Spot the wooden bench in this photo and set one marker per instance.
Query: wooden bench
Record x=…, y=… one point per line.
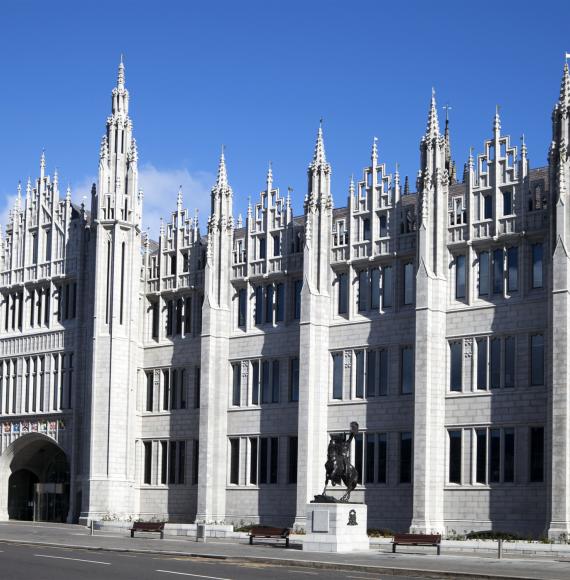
x=157, y=527
x=416, y=540
x=269, y=532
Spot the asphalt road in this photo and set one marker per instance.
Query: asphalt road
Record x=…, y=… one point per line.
x=19, y=561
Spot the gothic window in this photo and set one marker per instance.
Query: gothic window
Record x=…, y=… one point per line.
x=342, y=281
x=337, y=374
x=408, y=283
x=363, y=290
x=454, y=456
x=387, y=287
x=484, y=262
x=297, y=299
x=179, y=315
x=279, y=302
x=383, y=226
x=537, y=359
x=149, y=402
x=258, y=304
x=292, y=460
x=234, y=461
x=406, y=370
x=510, y=362
x=495, y=363
x=185, y=261
x=48, y=244
x=265, y=384
x=482, y=364
x=188, y=315
x=374, y=288
x=255, y=383
x=456, y=367
x=406, y=457
x=269, y=299
x=147, y=468
x=460, y=277
x=169, y=317
x=154, y=317
x=512, y=269
x=498, y=278
x=253, y=459
x=487, y=206
x=359, y=390
x=265, y=469
x=536, y=455
x=242, y=302
x=365, y=225
x=507, y=202
x=262, y=248
x=236, y=384
x=294, y=380
x=277, y=244
x=537, y=265
x=371, y=373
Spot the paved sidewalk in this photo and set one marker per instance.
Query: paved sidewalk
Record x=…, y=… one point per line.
x=420, y=562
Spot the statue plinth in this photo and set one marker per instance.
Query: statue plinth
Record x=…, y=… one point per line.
x=336, y=527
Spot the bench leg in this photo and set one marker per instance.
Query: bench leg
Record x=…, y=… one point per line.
x=438, y=550
x=162, y=535
x=250, y=540
x=286, y=542
x=132, y=533
x=393, y=548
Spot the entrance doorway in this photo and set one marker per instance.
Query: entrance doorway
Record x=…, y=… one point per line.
x=38, y=479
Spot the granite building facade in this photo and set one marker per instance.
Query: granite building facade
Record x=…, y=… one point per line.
x=197, y=377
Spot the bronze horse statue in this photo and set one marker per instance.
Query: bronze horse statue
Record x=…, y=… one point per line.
x=338, y=467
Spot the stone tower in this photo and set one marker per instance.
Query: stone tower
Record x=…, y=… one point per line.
x=430, y=344
x=216, y=328
x=559, y=166
x=314, y=354
x=116, y=350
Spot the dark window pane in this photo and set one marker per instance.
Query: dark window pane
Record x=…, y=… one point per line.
x=149, y=391
x=382, y=458
x=483, y=273
x=371, y=374
x=147, y=461
x=495, y=371
x=363, y=290
x=274, y=460
x=455, y=456
x=294, y=387
x=234, y=461
x=387, y=287
x=481, y=467
x=181, y=462
x=374, y=289
x=164, y=461
x=265, y=385
x=297, y=305
x=258, y=304
x=537, y=359
x=513, y=269
x=172, y=463
x=510, y=361
x=293, y=451
x=509, y=458
x=359, y=374
x=275, y=382
x=242, y=301
x=253, y=460
x=188, y=315
x=405, y=457
x=370, y=458
x=358, y=449
x=495, y=455
x=236, y=386
x=488, y=201
x=280, y=303
x=255, y=383
x=456, y=366
x=342, y=293
x=482, y=364
x=460, y=277
x=407, y=371
x=337, y=375
x=536, y=454
x=264, y=448
x=498, y=272
x=269, y=295
x=409, y=284
x=383, y=372
x=166, y=390
x=507, y=202
x=537, y=266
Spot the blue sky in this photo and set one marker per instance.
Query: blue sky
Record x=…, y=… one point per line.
x=257, y=76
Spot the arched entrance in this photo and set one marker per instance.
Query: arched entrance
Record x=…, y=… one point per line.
x=34, y=480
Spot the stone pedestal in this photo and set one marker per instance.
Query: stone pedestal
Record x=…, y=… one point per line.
x=336, y=527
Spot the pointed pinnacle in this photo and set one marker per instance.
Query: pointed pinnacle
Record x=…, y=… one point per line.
x=179, y=199
x=351, y=185
x=222, y=178
x=319, y=156
x=269, y=176
x=432, y=129
x=121, y=74
x=497, y=120
x=565, y=87
x=68, y=193
x=374, y=149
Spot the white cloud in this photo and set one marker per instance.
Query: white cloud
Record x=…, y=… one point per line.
x=160, y=188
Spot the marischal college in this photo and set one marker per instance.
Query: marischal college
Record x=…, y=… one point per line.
x=198, y=377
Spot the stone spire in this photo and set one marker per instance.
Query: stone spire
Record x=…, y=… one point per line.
x=319, y=156
x=269, y=179
x=43, y=164
x=432, y=129
x=374, y=154
x=497, y=121
x=565, y=87
x=222, y=185
x=121, y=75
x=179, y=200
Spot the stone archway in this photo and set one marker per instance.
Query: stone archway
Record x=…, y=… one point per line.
x=34, y=479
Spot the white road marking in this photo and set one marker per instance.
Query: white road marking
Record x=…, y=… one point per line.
x=193, y=575
x=74, y=559
x=302, y=572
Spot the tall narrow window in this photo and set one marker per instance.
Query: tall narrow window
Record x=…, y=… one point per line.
x=405, y=457
x=455, y=456
x=163, y=461
x=181, y=472
x=382, y=458
x=509, y=455
x=507, y=202
x=234, y=461
x=537, y=253
x=387, y=287
x=262, y=248
x=182, y=382
x=537, y=359
x=188, y=315
x=342, y=293
x=512, y=269
x=408, y=283
x=253, y=460
x=263, y=451
x=297, y=299
x=236, y=390
x=265, y=385
x=383, y=372
x=169, y=317
x=536, y=467
x=294, y=380
x=165, y=389
x=371, y=373
x=383, y=226
x=154, y=315
x=122, y=296
x=365, y=229
x=374, y=289
x=292, y=470
x=495, y=366
x=179, y=315
x=275, y=381
x=147, y=468
x=258, y=304
x=358, y=452
x=482, y=364
x=337, y=375
x=274, y=461
x=269, y=298
x=255, y=383
x=280, y=302
x=481, y=456
x=407, y=370
x=488, y=206
x=495, y=455
x=276, y=244
x=359, y=391
x=149, y=391
x=460, y=277
x=483, y=273
x=456, y=373
x=509, y=374
x=242, y=297
x=498, y=281
x=363, y=290
x=197, y=381
x=196, y=461
x=370, y=457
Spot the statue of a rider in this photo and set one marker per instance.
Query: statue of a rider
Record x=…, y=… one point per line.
x=338, y=467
